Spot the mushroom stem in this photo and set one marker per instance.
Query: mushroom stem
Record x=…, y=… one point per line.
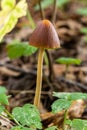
x=39, y=78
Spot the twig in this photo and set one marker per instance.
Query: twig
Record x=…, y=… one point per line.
x=14, y=71
x=28, y=91
x=54, y=11
x=48, y=83
x=72, y=83
x=51, y=70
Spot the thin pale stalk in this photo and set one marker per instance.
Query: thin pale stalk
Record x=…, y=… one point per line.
x=66, y=70
x=11, y=116
x=54, y=11
x=31, y=21
x=51, y=69
x=64, y=122
x=39, y=78
x=41, y=10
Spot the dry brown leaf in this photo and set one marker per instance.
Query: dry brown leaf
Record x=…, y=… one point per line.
x=50, y=119
x=5, y=123
x=77, y=108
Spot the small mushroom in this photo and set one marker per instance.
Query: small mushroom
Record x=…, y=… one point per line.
x=43, y=37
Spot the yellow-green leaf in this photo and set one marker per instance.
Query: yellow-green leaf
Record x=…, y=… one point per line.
x=20, y=9
x=8, y=26
x=7, y=4
x=9, y=15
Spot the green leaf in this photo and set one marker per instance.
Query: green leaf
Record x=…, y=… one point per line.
x=70, y=96
x=17, y=49
x=77, y=124
x=68, y=122
x=9, y=15
x=45, y=4
x=2, y=89
x=20, y=128
x=2, y=108
x=82, y=11
x=3, y=99
x=62, y=95
x=60, y=104
x=61, y=3
x=84, y=30
x=29, y=50
x=52, y=128
x=28, y=115
x=68, y=61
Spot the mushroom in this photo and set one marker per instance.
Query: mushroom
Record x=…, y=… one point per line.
x=43, y=37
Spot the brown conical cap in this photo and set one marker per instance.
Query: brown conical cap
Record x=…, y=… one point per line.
x=45, y=36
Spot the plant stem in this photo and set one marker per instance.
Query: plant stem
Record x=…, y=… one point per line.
x=51, y=70
x=66, y=71
x=41, y=10
x=39, y=78
x=64, y=122
x=54, y=11
x=31, y=21
x=11, y=116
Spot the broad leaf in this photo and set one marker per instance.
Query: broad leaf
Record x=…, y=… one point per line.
x=17, y=49
x=29, y=50
x=70, y=96
x=20, y=9
x=62, y=95
x=84, y=30
x=46, y=3
x=77, y=124
x=61, y=3
x=8, y=4
x=82, y=11
x=2, y=108
x=3, y=99
x=60, y=104
x=52, y=128
x=68, y=61
x=9, y=15
x=28, y=115
x=2, y=89
x=20, y=128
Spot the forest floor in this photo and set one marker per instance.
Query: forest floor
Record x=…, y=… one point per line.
x=19, y=75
